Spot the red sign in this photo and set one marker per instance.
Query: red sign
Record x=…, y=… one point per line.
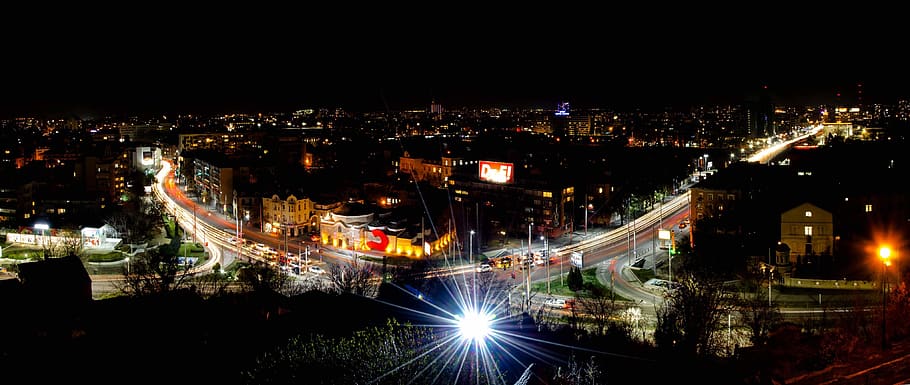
x=383, y=240
x=497, y=172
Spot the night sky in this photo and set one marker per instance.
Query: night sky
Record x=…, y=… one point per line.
x=364, y=63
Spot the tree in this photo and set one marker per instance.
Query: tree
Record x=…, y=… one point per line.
x=136, y=225
x=64, y=243
x=755, y=309
x=155, y=271
x=354, y=278
x=393, y=354
x=265, y=277
x=600, y=306
x=575, y=279
x=574, y=373
x=691, y=315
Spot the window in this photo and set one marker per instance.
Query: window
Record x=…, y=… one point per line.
x=808, y=214
x=868, y=208
x=807, y=231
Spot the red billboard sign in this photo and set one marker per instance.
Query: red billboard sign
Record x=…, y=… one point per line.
x=497, y=172
x=379, y=235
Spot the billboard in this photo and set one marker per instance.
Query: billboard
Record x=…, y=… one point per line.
x=576, y=259
x=497, y=172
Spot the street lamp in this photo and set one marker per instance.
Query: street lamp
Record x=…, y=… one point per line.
x=43, y=227
x=885, y=253
x=546, y=256
x=471, y=248
x=194, y=222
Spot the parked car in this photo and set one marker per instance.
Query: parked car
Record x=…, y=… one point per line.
x=484, y=267
x=315, y=270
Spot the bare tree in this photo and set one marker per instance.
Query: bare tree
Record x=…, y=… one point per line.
x=599, y=305
x=264, y=277
x=691, y=316
x=759, y=316
x=70, y=242
x=354, y=278
x=62, y=244
x=154, y=271
x=586, y=373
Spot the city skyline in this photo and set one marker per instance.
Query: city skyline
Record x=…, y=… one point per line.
x=93, y=96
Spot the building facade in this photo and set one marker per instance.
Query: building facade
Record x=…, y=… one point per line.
x=291, y=215
x=807, y=230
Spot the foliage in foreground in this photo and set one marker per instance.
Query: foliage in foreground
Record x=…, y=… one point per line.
x=371, y=355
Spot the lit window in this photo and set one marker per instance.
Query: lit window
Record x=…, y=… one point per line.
x=807, y=231
x=808, y=214
x=547, y=194
x=868, y=208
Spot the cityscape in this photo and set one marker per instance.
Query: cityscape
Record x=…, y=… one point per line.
x=741, y=233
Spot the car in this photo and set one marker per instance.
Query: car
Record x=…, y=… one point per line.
x=315, y=270
x=484, y=267
x=232, y=240
x=559, y=303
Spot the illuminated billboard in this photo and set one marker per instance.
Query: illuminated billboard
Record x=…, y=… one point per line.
x=497, y=172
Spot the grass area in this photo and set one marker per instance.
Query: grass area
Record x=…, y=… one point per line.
x=395, y=261
x=22, y=254
x=643, y=274
x=559, y=286
x=106, y=257
x=194, y=250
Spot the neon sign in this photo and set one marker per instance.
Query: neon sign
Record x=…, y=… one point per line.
x=497, y=172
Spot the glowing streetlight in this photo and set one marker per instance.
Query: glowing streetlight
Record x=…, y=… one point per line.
x=885, y=253
x=471, y=247
x=43, y=227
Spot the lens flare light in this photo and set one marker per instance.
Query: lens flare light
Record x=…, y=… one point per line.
x=474, y=326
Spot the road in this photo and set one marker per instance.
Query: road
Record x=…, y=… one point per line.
x=616, y=251
x=215, y=230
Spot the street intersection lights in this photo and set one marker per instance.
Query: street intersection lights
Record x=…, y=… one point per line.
x=885, y=253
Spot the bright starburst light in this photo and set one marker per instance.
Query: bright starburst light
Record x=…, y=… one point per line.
x=474, y=326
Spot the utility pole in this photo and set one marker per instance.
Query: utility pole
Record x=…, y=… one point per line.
x=586, y=213
x=528, y=285
x=239, y=233
x=546, y=256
